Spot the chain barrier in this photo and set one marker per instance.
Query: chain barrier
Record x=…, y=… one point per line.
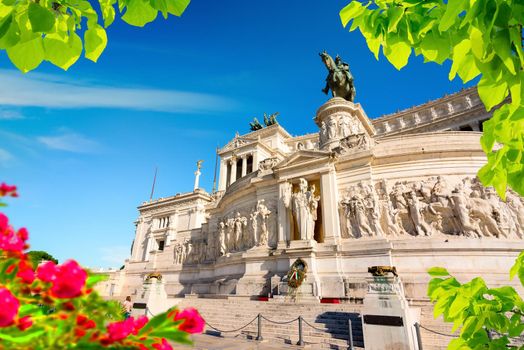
x=147, y=310
x=259, y=317
x=233, y=330
x=316, y=328
x=277, y=322
x=439, y=333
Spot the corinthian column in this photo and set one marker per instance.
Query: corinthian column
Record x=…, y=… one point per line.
x=244, y=165
x=233, y=175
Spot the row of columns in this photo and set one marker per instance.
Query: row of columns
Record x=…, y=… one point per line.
x=231, y=164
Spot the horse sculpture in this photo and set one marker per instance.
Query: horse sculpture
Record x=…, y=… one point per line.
x=339, y=79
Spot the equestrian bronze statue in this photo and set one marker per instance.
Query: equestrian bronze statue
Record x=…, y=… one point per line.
x=339, y=79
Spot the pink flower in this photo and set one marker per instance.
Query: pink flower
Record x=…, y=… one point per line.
x=121, y=329
x=47, y=271
x=7, y=190
x=10, y=240
x=192, y=321
x=9, y=309
x=139, y=323
x=163, y=346
x=25, y=272
x=69, y=280
x=24, y=323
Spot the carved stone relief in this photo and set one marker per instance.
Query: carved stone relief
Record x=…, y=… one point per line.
x=430, y=207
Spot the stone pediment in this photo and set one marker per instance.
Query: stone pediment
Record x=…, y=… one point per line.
x=303, y=156
x=237, y=142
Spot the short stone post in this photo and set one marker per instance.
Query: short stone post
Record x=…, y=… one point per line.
x=300, y=335
x=259, y=335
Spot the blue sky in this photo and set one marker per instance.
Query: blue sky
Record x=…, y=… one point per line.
x=82, y=145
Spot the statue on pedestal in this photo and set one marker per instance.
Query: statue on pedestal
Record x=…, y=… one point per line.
x=339, y=79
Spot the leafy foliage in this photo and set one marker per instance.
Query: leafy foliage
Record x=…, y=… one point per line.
x=37, y=256
x=52, y=30
x=483, y=39
x=477, y=309
x=55, y=307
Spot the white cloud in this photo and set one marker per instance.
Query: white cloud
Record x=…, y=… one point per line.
x=70, y=142
x=49, y=91
x=114, y=256
x=10, y=114
x=5, y=158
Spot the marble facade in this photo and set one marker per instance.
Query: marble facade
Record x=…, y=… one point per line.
x=397, y=190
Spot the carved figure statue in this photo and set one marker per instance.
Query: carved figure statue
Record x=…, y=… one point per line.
x=339, y=79
x=332, y=129
x=415, y=212
x=345, y=126
x=459, y=200
x=264, y=213
x=254, y=226
x=222, y=238
x=323, y=133
x=239, y=223
x=304, y=206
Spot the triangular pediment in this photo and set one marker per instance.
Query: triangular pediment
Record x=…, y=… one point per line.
x=237, y=142
x=303, y=156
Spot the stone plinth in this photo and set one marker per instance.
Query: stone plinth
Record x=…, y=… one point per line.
x=387, y=318
x=343, y=124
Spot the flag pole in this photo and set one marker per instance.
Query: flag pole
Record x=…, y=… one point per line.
x=153, y=188
x=215, y=176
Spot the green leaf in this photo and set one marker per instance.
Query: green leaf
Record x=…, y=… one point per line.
x=349, y=12
x=139, y=13
x=438, y=271
x=177, y=7
x=394, y=15
x=435, y=48
x=108, y=11
x=502, y=46
x=459, y=304
x=42, y=20
x=11, y=37
x=94, y=279
x=28, y=55
x=453, y=9
x=62, y=52
x=5, y=24
x=460, y=52
x=397, y=51
x=492, y=92
x=95, y=41
x=468, y=69
x=26, y=338
x=477, y=42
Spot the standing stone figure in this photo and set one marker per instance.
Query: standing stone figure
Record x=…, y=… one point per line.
x=323, y=133
x=222, y=238
x=254, y=226
x=303, y=206
x=239, y=223
x=332, y=129
x=345, y=126
x=415, y=213
x=264, y=213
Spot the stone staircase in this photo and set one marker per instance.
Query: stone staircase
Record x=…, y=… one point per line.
x=330, y=320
